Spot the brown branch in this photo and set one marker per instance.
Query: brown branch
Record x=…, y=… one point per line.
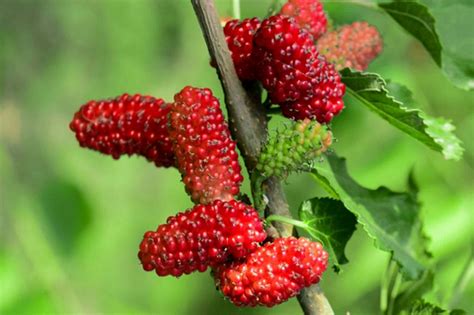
x=248, y=124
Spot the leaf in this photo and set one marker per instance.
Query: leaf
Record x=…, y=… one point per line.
x=454, y=25
x=326, y=185
x=421, y=307
x=390, y=218
x=439, y=129
x=332, y=223
x=417, y=20
x=445, y=30
x=372, y=91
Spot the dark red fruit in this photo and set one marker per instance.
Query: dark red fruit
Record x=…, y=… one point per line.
x=353, y=46
x=126, y=125
x=204, y=236
x=239, y=36
x=205, y=152
x=309, y=14
x=294, y=74
x=273, y=273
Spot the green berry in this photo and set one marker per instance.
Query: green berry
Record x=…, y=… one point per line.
x=293, y=147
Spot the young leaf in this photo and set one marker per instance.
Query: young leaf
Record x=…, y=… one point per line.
x=332, y=223
x=390, y=218
x=372, y=91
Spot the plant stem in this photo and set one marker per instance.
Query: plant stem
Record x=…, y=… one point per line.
x=248, y=125
x=298, y=223
x=236, y=9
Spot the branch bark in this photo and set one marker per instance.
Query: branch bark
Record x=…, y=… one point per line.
x=248, y=124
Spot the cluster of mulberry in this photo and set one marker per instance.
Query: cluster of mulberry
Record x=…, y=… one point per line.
x=191, y=134
x=219, y=232
x=300, y=75
x=283, y=57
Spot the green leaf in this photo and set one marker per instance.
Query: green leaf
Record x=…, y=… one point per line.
x=417, y=20
x=445, y=30
x=372, y=91
x=332, y=223
x=421, y=307
x=454, y=25
x=390, y=218
x=441, y=130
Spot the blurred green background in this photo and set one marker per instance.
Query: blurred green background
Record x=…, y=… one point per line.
x=71, y=219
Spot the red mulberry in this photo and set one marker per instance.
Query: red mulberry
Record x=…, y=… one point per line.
x=308, y=14
x=353, y=46
x=126, y=125
x=205, y=152
x=294, y=74
x=239, y=36
x=204, y=236
x=273, y=273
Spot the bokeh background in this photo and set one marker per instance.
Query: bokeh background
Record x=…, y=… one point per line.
x=71, y=219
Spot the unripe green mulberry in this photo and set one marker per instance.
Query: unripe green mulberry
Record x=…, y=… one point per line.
x=293, y=147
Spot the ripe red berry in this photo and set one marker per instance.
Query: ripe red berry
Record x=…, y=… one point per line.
x=308, y=14
x=204, y=236
x=126, y=125
x=294, y=74
x=273, y=273
x=205, y=152
x=239, y=36
x=353, y=46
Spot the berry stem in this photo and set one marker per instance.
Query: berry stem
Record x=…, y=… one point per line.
x=236, y=9
x=298, y=223
x=248, y=125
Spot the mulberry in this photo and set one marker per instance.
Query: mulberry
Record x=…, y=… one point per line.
x=239, y=36
x=273, y=273
x=294, y=74
x=353, y=46
x=308, y=14
x=126, y=125
x=204, y=236
x=205, y=152
x=290, y=149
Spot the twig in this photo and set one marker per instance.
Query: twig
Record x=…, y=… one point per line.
x=248, y=124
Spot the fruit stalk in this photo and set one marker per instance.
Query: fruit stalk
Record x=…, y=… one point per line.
x=248, y=125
